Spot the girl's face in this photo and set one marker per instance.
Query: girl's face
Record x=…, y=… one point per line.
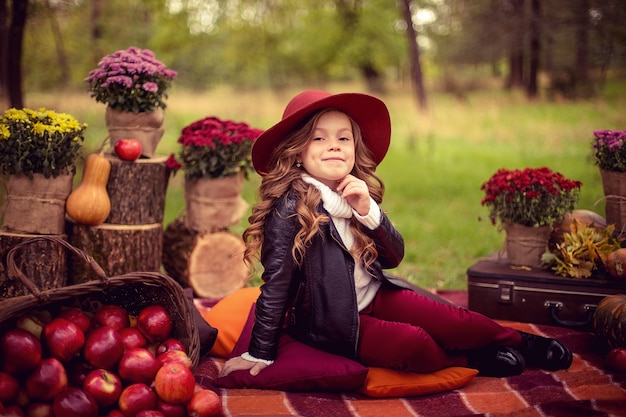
x=329, y=155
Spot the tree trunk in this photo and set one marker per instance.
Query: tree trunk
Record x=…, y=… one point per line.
x=96, y=30
x=14, y=54
x=535, y=49
x=58, y=44
x=4, y=40
x=582, y=49
x=414, y=52
x=516, y=46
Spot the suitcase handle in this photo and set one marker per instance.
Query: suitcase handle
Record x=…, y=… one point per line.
x=555, y=306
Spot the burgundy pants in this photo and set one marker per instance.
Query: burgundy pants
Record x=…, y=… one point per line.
x=407, y=331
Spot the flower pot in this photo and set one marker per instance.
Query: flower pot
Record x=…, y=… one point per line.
x=214, y=203
x=614, y=186
x=525, y=245
x=145, y=127
x=37, y=205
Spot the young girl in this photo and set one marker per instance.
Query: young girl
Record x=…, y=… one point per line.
x=324, y=242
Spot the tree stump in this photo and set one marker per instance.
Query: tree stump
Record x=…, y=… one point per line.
x=137, y=190
x=131, y=238
x=44, y=262
x=118, y=249
x=211, y=263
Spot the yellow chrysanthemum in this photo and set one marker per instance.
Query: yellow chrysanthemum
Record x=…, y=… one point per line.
x=49, y=142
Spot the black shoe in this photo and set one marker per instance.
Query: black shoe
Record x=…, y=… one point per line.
x=542, y=352
x=496, y=361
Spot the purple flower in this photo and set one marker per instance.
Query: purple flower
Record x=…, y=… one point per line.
x=609, y=147
x=150, y=86
x=131, y=80
x=123, y=80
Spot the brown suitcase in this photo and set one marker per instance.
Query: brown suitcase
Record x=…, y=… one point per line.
x=501, y=292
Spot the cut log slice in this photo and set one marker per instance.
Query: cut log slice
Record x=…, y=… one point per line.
x=216, y=267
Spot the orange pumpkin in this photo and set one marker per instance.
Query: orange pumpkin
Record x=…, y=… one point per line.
x=585, y=217
x=89, y=203
x=609, y=320
x=616, y=263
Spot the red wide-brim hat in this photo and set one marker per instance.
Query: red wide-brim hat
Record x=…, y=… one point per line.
x=369, y=112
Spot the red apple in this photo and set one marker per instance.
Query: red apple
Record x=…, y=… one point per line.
x=174, y=383
x=33, y=322
x=115, y=413
x=127, y=149
x=20, y=351
x=170, y=344
x=175, y=356
x=63, y=339
x=616, y=359
x=149, y=413
x=204, y=403
x=9, y=388
x=113, y=316
x=74, y=402
x=78, y=317
x=46, y=380
x=171, y=410
x=136, y=397
x=155, y=323
x=40, y=410
x=138, y=365
x=104, y=386
x=132, y=338
x=103, y=347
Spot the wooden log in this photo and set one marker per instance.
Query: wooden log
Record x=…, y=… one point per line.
x=137, y=190
x=178, y=241
x=44, y=262
x=118, y=249
x=211, y=263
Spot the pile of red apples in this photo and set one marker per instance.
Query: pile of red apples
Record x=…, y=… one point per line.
x=101, y=363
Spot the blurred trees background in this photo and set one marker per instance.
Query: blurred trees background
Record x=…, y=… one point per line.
x=560, y=47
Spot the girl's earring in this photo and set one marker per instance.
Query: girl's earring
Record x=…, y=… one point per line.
x=298, y=164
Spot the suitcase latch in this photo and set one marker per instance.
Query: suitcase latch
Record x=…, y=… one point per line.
x=506, y=291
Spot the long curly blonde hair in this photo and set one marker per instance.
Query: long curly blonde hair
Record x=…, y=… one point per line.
x=285, y=176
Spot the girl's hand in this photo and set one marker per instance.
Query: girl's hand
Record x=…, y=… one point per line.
x=356, y=193
x=238, y=363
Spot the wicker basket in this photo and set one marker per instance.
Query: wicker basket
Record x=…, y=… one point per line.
x=133, y=291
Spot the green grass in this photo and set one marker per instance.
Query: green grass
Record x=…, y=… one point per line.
x=434, y=168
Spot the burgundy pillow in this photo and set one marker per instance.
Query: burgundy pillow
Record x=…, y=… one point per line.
x=298, y=368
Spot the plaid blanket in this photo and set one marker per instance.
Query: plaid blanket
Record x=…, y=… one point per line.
x=586, y=389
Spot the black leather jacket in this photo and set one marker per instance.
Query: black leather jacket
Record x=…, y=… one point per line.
x=325, y=315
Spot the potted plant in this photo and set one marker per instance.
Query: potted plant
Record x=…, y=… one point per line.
x=215, y=157
x=609, y=152
x=133, y=84
x=38, y=151
x=527, y=203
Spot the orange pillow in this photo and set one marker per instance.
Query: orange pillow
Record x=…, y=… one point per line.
x=382, y=382
x=229, y=316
